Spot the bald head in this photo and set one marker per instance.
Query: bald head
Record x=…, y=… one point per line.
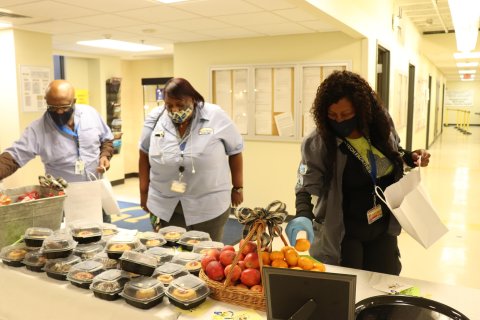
x=59, y=92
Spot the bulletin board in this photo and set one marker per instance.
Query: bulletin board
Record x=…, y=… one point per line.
x=270, y=102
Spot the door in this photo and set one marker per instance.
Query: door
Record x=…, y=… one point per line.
x=383, y=74
x=411, y=94
x=429, y=104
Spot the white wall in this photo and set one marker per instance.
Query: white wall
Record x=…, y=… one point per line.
x=474, y=110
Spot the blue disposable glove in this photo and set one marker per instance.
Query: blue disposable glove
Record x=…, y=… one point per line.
x=298, y=224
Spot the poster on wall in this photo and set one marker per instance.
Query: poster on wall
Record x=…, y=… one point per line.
x=34, y=81
x=459, y=98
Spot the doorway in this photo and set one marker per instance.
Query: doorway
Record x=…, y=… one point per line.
x=429, y=104
x=383, y=75
x=411, y=94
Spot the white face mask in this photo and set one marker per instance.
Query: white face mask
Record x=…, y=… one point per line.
x=180, y=116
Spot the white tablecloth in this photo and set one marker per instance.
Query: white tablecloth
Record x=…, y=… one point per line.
x=29, y=295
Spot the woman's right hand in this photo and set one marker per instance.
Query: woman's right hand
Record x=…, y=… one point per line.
x=143, y=201
x=299, y=224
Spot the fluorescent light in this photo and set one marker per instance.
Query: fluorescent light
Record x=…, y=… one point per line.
x=467, y=71
x=467, y=55
x=465, y=16
x=467, y=64
x=5, y=25
x=171, y=1
x=119, y=45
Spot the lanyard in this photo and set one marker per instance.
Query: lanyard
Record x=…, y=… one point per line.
x=370, y=167
x=74, y=134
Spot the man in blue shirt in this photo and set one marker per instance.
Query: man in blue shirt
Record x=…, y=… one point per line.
x=71, y=140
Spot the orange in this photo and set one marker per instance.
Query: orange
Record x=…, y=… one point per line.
x=291, y=256
x=319, y=265
x=296, y=268
x=302, y=245
x=265, y=258
x=305, y=263
x=286, y=248
x=279, y=264
x=317, y=270
x=275, y=255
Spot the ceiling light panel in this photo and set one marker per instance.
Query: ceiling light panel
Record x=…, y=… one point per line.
x=119, y=45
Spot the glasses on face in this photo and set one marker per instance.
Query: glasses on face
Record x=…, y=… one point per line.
x=63, y=108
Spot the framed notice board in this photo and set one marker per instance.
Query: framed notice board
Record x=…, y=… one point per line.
x=270, y=102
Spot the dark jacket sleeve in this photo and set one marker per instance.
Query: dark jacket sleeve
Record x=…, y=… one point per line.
x=7, y=165
x=106, y=149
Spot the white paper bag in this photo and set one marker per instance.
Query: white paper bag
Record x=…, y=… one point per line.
x=411, y=205
x=109, y=203
x=83, y=201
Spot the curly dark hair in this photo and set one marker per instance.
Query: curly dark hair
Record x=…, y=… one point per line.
x=373, y=120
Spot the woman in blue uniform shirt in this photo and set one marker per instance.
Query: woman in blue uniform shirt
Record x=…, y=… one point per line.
x=190, y=166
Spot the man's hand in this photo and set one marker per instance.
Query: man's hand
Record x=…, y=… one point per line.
x=421, y=157
x=103, y=165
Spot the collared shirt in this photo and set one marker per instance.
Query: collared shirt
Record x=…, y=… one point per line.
x=60, y=151
x=212, y=138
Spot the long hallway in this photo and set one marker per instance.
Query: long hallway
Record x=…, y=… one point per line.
x=453, y=182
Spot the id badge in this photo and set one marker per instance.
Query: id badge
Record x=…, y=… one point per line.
x=79, y=167
x=374, y=214
x=178, y=186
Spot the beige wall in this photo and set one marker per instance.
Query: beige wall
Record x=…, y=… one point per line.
x=269, y=167
x=132, y=102
x=9, y=130
x=31, y=49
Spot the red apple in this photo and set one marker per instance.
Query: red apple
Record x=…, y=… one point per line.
x=249, y=247
x=237, y=271
x=206, y=260
x=213, y=252
x=241, y=285
x=250, y=277
x=242, y=265
x=228, y=248
x=251, y=260
x=257, y=288
x=214, y=270
x=226, y=257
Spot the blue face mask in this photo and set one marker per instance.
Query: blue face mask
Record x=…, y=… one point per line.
x=345, y=128
x=61, y=119
x=181, y=116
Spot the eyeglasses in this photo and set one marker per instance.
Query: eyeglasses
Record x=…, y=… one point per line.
x=63, y=108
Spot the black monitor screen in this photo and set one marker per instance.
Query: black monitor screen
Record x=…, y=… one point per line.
x=332, y=295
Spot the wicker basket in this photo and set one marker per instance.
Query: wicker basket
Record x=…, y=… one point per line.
x=234, y=295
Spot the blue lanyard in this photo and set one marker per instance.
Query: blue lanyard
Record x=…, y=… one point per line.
x=74, y=134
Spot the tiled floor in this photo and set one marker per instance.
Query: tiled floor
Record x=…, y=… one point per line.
x=453, y=183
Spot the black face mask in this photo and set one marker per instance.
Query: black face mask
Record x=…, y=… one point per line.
x=61, y=119
x=345, y=128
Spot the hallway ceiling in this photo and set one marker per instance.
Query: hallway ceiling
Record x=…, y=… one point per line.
x=155, y=23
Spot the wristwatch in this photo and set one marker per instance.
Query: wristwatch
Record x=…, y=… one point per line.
x=238, y=189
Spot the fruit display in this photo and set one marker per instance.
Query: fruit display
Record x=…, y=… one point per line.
x=244, y=266
x=235, y=276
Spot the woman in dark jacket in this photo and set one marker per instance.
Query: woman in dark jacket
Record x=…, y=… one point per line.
x=354, y=148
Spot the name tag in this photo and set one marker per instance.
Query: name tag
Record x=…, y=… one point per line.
x=374, y=214
x=204, y=131
x=160, y=134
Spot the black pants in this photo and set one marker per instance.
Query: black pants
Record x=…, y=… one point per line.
x=378, y=255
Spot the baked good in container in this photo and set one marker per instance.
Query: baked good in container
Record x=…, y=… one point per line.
x=184, y=294
x=119, y=247
x=17, y=254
